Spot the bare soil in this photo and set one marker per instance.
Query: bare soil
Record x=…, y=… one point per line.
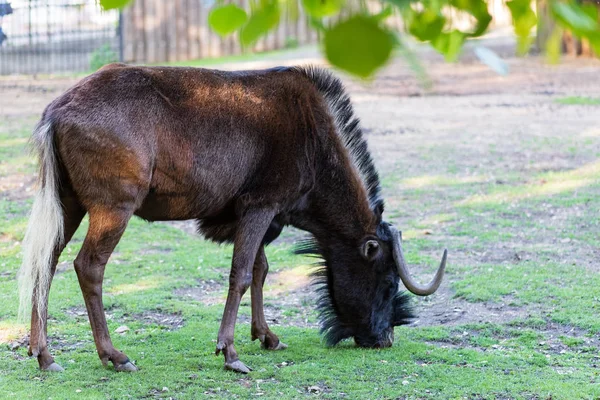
x=485, y=123
x=162, y=319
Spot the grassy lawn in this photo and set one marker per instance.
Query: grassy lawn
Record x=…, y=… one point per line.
x=578, y=100
x=524, y=243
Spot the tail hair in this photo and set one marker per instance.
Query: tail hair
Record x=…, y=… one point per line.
x=45, y=228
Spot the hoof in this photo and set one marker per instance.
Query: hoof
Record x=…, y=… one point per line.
x=54, y=367
x=238, y=366
x=280, y=346
x=127, y=367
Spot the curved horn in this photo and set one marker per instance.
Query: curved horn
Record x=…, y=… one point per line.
x=408, y=281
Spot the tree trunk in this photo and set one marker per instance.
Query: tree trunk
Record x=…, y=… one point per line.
x=545, y=24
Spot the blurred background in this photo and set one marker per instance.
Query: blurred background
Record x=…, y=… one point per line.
x=53, y=36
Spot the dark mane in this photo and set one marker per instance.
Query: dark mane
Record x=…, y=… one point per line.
x=348, y=128
x=332, y=330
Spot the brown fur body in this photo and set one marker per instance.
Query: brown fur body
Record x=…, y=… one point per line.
x=243, y=153
x=169, y=134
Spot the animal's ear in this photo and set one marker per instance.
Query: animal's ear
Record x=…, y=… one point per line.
x=378, y=210
x=370, y=249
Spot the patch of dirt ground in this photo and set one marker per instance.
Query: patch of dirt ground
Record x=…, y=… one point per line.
x=164, y=320
x=16, y=186
x=445, y=309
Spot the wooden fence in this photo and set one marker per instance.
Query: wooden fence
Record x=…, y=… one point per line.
x=176, y=30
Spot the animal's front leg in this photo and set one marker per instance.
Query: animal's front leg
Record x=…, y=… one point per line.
x=260, y=329
x=250, y=232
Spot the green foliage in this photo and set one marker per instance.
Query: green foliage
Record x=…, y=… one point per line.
x=358, y=45
x=227, y=19
x=524, y=19
x=322, y=8
x=426, y=20
x=262, y=20
x=449, y=44
x=401, y=4
x=429, y=22
x=574, y=17
x=425, y=25
x=101, y=56
x=581, y=20
x=291, y=43
x=113, y=4
x=478, y=9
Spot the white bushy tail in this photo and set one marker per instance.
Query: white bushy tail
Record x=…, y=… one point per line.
x=45, y=228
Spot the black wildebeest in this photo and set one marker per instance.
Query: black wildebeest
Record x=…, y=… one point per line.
x=243, y=153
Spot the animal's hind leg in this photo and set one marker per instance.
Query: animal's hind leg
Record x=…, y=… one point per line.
x=106, y=228
x=260, y=330
x=38, y=343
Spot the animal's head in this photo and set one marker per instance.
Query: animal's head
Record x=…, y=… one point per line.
x=360, y=295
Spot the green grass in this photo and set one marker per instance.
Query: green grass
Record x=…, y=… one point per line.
x=245, y=57
x=505, y=248
x=579, y=100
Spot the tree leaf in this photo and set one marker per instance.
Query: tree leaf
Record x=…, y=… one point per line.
x=401, y=4
x=478, y=9
x=425, y=25
x=574, y=17
x=317, y=24
x=384, y=14
x=579, y=19
x=358, y=45
x=227, y=19
x=260, y=23
x=595, y=41
x=524, y=19
x=449, y=44
x=322, y=8
x=112, y=4
x=591, y=10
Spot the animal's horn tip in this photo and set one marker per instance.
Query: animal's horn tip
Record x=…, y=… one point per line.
x=443, y=263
